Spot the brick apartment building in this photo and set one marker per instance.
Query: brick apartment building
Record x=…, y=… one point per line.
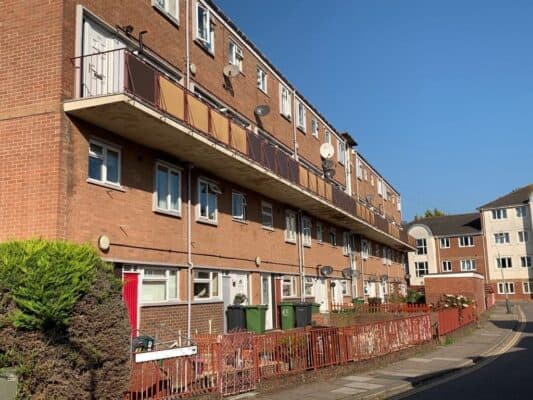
x=507, y=225
x=123, y=126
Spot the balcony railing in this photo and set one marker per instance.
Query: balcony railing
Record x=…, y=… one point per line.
x=121, y=71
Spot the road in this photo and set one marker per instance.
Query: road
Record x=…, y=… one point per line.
x=510, y=376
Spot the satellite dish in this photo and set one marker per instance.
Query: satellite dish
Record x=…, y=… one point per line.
x=261, y=110
x=231, y=71
x=327, y=151
x=326, y=270
x=192, y=68
x=350, y=273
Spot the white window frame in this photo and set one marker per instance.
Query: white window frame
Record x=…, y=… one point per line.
x=319, y=232
x=341, y=152
x=234, y=196
x=164, y=6
x=285, y=101
x=314, y=127
x=446, y=266
x=364, y=249
x=309, y=283
x=421, y=249
x=380, y=187
x=307, y=229
x=236, y=55
x=171, y=169
x=262, y=79
x=384, y=255
x=466, y=241
x=499, y=213
x=504, y=262
x=207, y=42
x=289, y=280
x=506, y=287
x=290, y=226
x=333, y=236
x=527, y=287
x=301, y=116
x=267, y=205
x=344, y=287
x=468, y=265
x=209, y=280
x=213, y=188
x=327, y=136
x=161, y=279
x=526, y=261
x=521, y=211
x=346, y=243
x=366, y=288
x=359, y=169
x=103, y=172
x=419, y=271
x=523, y=236
x=445, y=243
x=501, y=238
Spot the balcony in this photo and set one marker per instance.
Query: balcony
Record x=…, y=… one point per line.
x=124, y=94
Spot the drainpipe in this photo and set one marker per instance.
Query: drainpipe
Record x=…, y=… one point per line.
x=187, y=50
x=294, y=124
x=301, y=256
x=189, y=250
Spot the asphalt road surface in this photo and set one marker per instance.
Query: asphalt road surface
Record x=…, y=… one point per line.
x=510, y=376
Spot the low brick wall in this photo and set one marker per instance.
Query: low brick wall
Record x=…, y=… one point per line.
x=470, y=285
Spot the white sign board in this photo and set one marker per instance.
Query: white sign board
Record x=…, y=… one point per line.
x=163, y=354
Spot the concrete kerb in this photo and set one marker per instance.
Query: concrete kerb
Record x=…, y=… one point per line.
x=464, y=368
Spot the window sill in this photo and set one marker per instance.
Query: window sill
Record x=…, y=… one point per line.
x=175, y=214
x=315, y=136
x=263, y=91
x=307, y=245
x=267, y=228
x=287, y=117
x=173, y=20
x=206, y=222
x=302, y=129
x=201, y=44
x=240, y=221
x=207, y=301
x=163, y=303
x=112, y=186
x=290, y=241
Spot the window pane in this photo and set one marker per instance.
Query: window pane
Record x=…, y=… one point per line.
x=153, y=291
x=201, y=275
x=214, y=284
x=162, y=187
x=237, y=206
x=203, y=199
x=201, y=289
x=95, y=168
x=155, y=273
x=172, y=285
x=174, y=190
x=112, y=166
x=212, y=205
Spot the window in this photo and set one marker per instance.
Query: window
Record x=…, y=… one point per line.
x=446, y=266
x=504, y=262
x=371, y=179
x=159, y=284
x=236, y=55
x=290, y=226
x=421, y=269
x=421, y=246
x=207, y=200
x=104, y=163
x=501, y=237
x=319, y=232
x=288, y=286
x=306, y=231
x=285, y=101
x=499, y=213
x=359, y=169
x=344, y=287
x=167, y=189
x=365, y=174
x=267, y=215
x=389, y=256
x=327, y=136
x=314, y=127
x=309, y=286
x=261, y=79
x=206, y=284
x=505, y=287
x=445, y=243
x=527, y=287
x=366, y=287
x=468, y=265
x=523, y=236
x=346, y=243
x=525, y=261
x=384, y=255
x=238, y=206
x=169, y=7
x=399, y=205
x=466, y=241
x=333, y=236
x=204, y=31
x=385, y=192
x=380, y=187
x=300, y=117
x=341, y=156
x=364, y=249
x=521, y=211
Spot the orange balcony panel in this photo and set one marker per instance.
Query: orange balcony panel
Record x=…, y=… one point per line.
x=172, y=98
x=198, y=114
x=220, y=127
x=304, y=178
x=238, y=138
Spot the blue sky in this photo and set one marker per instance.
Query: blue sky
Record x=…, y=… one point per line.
x=439, y=95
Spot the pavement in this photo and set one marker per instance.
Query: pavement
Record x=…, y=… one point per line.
x=486, y=343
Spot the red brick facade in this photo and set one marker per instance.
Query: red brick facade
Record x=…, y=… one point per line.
x=468, y=284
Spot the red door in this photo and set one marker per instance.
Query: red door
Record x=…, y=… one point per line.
x=130, y=293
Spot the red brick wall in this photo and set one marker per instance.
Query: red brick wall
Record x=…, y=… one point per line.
x=472, y=288
x=518, y=295
x=455, y=254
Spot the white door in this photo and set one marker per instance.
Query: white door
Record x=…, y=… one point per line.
x=233, y=283
x=336, y=292
x=266, y=298
x=103, y=71
x=321, y=294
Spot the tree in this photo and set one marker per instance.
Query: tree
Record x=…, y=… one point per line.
x=429, y=213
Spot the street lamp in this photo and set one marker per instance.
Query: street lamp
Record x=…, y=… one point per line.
x=507, y=304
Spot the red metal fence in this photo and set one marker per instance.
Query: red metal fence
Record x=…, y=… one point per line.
x=234, y=363
x=452, y=319
x=380, y=308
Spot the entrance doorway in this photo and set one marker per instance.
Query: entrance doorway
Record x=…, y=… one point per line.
x=233, y=283
x=266, y=299
x=321, y=293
